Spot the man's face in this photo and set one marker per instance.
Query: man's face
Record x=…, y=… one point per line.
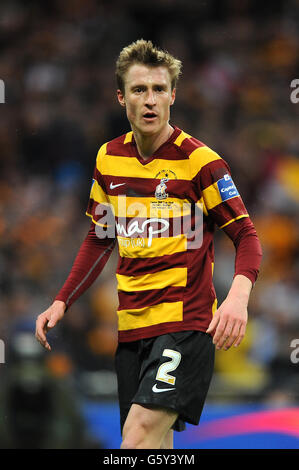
x=147, y=98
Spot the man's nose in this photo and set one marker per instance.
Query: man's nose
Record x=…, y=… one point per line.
x=150, y=98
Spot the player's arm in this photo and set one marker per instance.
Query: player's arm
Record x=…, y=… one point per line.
x=230, y=319
x=91, y=258
x=47, y=320
x=89, y=262
x=229, y=322
x=224, y=205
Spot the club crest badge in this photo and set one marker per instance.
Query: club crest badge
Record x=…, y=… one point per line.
x=160, y=192
x=161, y=188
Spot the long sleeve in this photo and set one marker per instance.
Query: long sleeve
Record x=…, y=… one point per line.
x=248, y=248
x=89, y=263
x=225, y=207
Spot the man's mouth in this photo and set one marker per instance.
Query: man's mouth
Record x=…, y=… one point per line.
x=149, y=116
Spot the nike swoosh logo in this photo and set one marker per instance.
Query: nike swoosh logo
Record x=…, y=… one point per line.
x=112, y=186
x=158, y=390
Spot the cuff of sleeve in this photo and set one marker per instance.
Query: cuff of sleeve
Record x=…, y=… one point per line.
x=62, y=298
x=252, y=276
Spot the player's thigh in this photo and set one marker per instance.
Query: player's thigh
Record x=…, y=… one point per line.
x=149, y=419
x=176, y=374
x=127, y=365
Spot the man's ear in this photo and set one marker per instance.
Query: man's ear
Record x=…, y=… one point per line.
x=173, y=92
x=121, y=98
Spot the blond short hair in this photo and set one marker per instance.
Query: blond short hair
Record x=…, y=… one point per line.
x=144, y=52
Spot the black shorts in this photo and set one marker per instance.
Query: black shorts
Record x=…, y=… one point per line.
x=172, y=371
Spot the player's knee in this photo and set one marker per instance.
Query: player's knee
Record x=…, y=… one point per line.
x=137, y=436
x=133, y=441
x=129, y=443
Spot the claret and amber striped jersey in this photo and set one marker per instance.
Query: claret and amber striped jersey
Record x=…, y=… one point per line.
x=163, y=211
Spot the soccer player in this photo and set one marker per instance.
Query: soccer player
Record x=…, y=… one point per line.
x=145, y=183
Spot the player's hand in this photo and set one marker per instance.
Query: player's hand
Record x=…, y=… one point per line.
x=47, y=320
x=229, y=323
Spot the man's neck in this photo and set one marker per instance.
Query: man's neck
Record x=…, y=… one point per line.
x=147, y=145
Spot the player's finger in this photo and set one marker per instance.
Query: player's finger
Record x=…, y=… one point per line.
x=43, y=342
x=39, y=332
x=241, y=335
x=40, y=337
x=52, y=321
x=41, y=329
x=233, y=335
x=213, y=323
x=224, y=336
x=219, y=332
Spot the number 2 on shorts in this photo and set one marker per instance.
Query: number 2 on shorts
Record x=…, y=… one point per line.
x=169, y=366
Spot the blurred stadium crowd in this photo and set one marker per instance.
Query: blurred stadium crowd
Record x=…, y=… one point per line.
x=57, y=62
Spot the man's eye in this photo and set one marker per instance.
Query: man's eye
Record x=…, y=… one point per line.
x=160, y=89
